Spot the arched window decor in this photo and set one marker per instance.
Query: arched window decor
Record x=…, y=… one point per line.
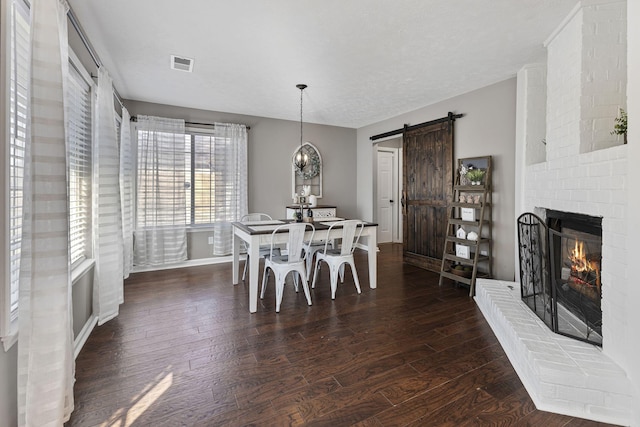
x=311, y=174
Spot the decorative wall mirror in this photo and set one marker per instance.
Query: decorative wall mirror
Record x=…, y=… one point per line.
x=311, y=174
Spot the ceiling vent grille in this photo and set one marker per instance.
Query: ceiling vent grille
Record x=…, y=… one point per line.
x=181, y=63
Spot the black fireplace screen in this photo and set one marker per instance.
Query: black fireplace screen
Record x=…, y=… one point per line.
x=560, y=264
x=534, y=277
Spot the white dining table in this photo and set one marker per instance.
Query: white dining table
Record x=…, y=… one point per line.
x=256, y=233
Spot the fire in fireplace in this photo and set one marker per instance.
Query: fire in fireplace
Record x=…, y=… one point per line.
x=568, y=295
x=584, y=275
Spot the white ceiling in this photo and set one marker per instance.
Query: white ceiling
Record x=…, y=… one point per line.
x=364, y=60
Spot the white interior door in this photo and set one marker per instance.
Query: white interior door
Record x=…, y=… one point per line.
x=385, y=196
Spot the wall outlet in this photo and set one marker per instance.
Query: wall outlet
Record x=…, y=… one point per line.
x=211, y=240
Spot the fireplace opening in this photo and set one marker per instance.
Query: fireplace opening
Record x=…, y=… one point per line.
x=575, y=255
x=560, y=272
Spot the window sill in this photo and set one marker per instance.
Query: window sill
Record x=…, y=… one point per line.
x=81, y=269
x=78, y=272
x=200, y=228
x=9, y=340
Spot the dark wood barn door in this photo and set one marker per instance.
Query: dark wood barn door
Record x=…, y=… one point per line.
x=428, y=188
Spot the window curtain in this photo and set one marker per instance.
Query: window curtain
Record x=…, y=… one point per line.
x=107, y=219
x=161, y=211
x=127, y=185
x=45, y=343
x=230, y=199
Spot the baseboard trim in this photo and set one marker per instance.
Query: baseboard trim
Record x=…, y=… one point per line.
x=83, y=336
x=188, y=263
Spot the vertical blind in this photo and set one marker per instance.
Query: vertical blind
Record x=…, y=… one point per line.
x=19, y=98
x=79, y=146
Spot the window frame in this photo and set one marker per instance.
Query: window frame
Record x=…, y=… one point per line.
x=193, y=133
x=8, y=317
x=75, y=62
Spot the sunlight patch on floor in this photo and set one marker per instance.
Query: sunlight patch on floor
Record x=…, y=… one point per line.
x=147, y=397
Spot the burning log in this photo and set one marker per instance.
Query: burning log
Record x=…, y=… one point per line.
x=585, y=272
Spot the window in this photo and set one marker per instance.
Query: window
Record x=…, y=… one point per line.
x=212, y=195
x=79, y=137
x=203, y=179
x=209, y=180
x=17, y=122
x=79, y=143
x=198, y=180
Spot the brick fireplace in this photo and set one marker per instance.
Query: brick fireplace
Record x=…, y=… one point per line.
x=568, y=161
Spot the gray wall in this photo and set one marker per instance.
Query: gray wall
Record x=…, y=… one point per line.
x=487, y=128
x=9, y=386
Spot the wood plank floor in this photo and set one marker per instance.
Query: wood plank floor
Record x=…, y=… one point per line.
x=186, y=351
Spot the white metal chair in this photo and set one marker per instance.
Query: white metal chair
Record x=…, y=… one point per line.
x=264, y=249
x=310, y=250
x=294, y=261
x=337, y=258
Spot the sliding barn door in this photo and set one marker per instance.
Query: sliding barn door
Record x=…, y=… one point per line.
x=428, y=188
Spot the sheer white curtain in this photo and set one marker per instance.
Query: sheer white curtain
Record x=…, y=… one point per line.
x=45, y=343
x=107, y=219
x=230, y=199
x=127, y=185
x=161, y=208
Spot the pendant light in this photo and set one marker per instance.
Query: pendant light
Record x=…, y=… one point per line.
x=301, y=158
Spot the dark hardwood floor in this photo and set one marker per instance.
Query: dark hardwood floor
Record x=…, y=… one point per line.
x=186, y=351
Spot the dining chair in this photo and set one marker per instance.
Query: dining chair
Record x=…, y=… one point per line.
x=336, y=258
x=294, y=261
x=310, y=248
x=264, y=249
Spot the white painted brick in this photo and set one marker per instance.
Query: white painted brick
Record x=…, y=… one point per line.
x=618, y=401
x=581, y=395
x=617, y=416
x=558, y=378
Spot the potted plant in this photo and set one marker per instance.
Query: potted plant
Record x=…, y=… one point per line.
x=620, y=128
x=475, y=176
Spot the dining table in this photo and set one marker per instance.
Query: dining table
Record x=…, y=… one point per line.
x=257, y=233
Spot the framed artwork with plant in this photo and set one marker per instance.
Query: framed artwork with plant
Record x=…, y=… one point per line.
x=473, y=170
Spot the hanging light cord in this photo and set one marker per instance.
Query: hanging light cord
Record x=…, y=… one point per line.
x=301, y=89
x=301, y=157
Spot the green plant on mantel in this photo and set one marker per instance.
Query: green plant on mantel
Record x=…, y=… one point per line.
x=620, y=128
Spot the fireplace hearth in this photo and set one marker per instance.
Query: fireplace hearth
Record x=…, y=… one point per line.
x=560, y=272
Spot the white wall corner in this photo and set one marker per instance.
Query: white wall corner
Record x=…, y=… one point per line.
x=530, y=131
x=632, y=338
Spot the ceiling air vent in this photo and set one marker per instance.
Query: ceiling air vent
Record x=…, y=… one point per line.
x=181, y=63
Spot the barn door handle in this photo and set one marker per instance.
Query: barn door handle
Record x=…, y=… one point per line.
x=403, y=199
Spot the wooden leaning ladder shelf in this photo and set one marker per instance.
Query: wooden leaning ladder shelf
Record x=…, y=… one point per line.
x=464, y=259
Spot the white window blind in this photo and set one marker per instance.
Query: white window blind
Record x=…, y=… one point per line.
x=160, y=175
x=19, y=101
x=203, y=180
x=213, y=194
x=79, y=137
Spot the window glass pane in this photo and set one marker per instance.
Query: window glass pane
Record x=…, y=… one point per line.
x=204, y=182
x=19, y=96
x=79, y=139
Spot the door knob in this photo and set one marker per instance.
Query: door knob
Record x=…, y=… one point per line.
x=390, y=201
